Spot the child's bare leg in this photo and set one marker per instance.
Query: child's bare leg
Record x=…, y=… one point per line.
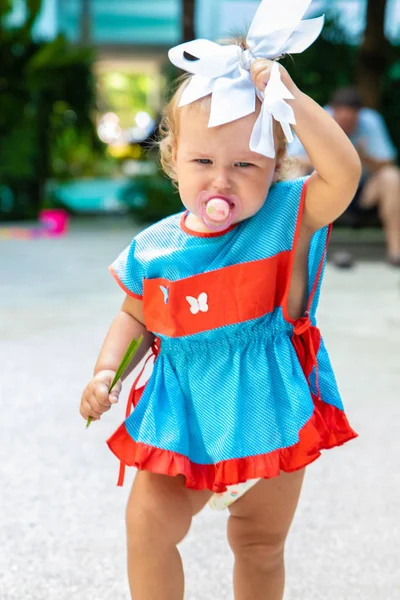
x=158, y=517
x=257, y=530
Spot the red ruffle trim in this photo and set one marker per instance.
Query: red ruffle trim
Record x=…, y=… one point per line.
x=327, y=428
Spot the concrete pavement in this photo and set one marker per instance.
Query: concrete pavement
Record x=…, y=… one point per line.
x=62, y=518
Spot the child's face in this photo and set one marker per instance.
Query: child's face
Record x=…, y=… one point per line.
x=218, y=161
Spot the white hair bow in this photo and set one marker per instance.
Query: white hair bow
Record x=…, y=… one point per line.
x=224, y=71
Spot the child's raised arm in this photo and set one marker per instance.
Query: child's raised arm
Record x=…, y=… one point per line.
x=337, y=166
x=127, y=325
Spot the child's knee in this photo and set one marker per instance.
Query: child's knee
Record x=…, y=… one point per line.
x=255, y=544
x=156, y=517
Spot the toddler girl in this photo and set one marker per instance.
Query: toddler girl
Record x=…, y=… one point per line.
x=242, y=396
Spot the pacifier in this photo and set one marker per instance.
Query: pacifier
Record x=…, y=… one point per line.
x=217, y=212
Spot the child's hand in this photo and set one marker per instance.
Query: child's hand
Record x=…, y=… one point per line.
x=261, y=73
x=95, y=399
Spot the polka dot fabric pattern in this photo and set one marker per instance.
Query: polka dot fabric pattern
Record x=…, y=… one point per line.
x=326, y=379
x=317, y=248
x=129, y=272
x=238, y=389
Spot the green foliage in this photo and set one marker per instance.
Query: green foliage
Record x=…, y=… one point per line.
x=47, y=99
x=5, y=8
x=151, y=198
x=32, y=8
x=126, y=94
x=391, y=98
x=73, y=154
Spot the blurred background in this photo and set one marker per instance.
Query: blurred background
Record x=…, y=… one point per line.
x=83, y=84
x=82, y=87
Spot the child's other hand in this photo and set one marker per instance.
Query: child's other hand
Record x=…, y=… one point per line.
x=261, y=73
x=95, y=399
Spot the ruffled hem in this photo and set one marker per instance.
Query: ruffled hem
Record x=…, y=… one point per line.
x=327, y=428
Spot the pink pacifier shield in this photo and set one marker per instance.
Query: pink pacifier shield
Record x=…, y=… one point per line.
x=217, y=212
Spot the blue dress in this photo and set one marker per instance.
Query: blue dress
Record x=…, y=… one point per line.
x=239, y=390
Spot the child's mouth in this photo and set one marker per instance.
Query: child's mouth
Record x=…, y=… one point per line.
x=217, y=211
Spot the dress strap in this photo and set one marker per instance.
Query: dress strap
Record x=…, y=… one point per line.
x=306, y=337
x=299, y=220
x=320, y=269
x=134, y=393
x=306, y=341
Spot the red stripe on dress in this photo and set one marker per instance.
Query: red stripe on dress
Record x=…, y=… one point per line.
x=235, y=294
x=327, y=428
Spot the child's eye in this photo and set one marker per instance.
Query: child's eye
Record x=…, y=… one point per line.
x=244, y=165
x=203, y=161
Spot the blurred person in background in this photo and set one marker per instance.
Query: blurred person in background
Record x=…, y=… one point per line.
x=379, y=189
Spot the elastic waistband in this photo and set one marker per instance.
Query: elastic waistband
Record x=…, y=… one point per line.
x=241, y=333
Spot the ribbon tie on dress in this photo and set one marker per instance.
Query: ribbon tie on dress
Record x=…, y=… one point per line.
x=134, y=397
x=306, y=340
x=224, y=71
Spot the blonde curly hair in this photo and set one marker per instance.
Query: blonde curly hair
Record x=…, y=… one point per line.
x=169, y=126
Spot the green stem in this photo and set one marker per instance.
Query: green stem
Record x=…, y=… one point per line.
x=125, y=362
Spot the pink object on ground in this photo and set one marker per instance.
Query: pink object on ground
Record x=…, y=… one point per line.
x=55, y=221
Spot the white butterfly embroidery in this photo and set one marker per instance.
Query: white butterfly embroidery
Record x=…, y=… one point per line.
x=199, y=304
x=165, y=292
